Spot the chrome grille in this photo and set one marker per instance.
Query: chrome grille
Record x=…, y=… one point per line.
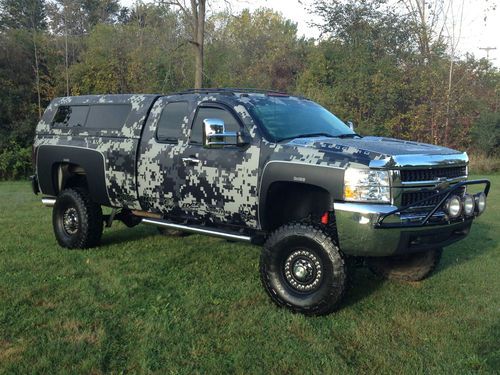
x=411, y=175
x=410, y=197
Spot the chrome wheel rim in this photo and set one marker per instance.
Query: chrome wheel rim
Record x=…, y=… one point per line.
x=70, y=221
x=303, y=271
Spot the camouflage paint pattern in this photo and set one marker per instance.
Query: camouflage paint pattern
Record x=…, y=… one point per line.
x=222, y=188
x=118, y=146
x=143, y=173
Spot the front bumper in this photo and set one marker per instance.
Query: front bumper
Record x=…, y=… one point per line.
x=383, y=230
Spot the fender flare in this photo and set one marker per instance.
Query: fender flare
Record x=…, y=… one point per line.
x=326, y=177
x=92, y=161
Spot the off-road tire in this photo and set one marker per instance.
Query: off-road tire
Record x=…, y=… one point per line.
x=85, y=230
x=281, y=246
x=409, y=267
x=172, y=232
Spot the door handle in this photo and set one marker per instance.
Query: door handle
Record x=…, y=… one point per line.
x=191, y=161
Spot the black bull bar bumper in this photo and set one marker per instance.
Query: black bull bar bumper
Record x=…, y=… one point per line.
x=383, y=230
x=443, y=196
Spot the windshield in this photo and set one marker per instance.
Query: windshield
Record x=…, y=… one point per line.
x=290, y=117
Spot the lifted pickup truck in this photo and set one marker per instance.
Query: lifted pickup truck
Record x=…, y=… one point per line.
x=262, y=167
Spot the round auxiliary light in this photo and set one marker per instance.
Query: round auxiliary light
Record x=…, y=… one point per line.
x=469, y=205
x=453, y=206
x=480, y=202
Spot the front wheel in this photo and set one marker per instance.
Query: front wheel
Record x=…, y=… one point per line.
x=409, y=267
x=77, y=221
x=302, y=269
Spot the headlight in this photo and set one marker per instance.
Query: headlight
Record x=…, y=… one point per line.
x=366, y=185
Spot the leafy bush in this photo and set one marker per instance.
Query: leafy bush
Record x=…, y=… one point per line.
x=486, y=133
x=15, y=161
x=481, y=163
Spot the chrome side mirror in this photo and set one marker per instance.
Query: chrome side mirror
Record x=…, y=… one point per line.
x=215, y=135
x=350, y=124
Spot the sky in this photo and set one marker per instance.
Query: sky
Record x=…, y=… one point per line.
x=476, y=32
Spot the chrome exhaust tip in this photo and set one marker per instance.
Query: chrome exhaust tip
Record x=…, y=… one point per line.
x=48, y=202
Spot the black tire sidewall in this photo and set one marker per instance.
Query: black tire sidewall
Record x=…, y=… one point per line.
x=89, y=220
x=275, y=263
x=331, y=289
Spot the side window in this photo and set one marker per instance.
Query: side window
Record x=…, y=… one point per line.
x=230, y=122
x=170, y=123
x=70, y=116
x=108, y=116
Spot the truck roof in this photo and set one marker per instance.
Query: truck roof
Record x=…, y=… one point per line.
x=102, y=99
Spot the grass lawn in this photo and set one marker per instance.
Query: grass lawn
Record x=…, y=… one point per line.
x=143, y=303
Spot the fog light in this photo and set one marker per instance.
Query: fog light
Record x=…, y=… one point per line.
x=469, y=205
x=453, y=206
x=480, y=203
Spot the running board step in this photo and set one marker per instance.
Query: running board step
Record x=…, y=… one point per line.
x=197, y=229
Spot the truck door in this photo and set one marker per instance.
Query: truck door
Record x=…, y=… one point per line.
x=220, y=184
x=162, y=143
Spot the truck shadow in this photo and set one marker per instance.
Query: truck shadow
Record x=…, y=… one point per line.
x=363, y=283
x=480, y=240
x=121, y=234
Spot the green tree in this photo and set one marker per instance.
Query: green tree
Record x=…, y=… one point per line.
x=486, y=133
x=146, y=54
x=357, y=70
x=23, y=14
x=194, y=16
x=259, y=49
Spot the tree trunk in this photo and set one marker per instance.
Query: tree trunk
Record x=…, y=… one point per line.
x=37, y=76
x=199, y=32
x=448, y=102
x=197, y=20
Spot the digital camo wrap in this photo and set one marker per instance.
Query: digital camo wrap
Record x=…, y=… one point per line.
x=184, y=180
x=118, y=146
x=220, y=188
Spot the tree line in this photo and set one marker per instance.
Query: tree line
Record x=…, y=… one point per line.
x=390, y=67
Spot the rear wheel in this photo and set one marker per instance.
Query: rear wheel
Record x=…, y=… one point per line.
x=409, y=267
x=302, y=269
x=77, y=221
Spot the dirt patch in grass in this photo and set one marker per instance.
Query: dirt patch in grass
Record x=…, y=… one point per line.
x=45, y=304
x=11, y=352
x=77, y=333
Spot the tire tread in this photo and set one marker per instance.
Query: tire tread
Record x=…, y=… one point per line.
x=90, y=228
x=332, y=300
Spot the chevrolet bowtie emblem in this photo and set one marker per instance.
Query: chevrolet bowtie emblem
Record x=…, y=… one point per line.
x=442, y=183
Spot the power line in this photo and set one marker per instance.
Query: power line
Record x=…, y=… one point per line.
x=488, y=49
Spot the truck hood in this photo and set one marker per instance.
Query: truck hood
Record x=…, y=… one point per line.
x=387, y=151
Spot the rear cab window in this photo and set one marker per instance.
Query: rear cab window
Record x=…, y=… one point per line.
x=169, y=128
